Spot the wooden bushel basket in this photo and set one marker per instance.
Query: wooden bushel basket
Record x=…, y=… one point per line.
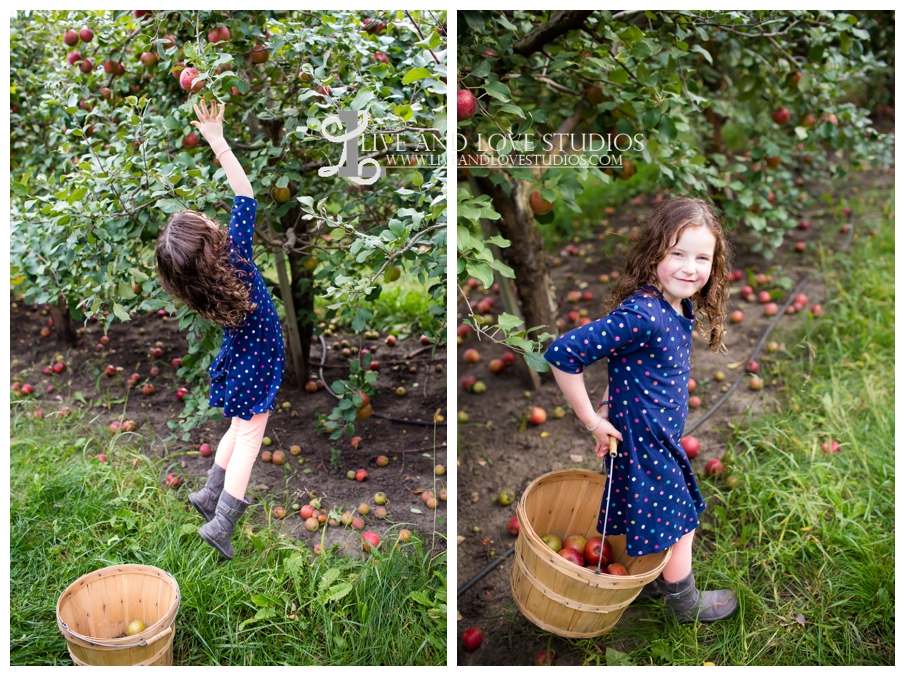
x=100, y=605
x=555, y=594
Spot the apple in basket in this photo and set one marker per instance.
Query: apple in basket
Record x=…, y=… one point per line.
x=552, y=541
x=572, y=555
x=576, y=542
x=592, y=552
x=616, y=569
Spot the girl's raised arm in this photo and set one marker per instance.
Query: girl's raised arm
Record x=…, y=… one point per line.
x=210, y=124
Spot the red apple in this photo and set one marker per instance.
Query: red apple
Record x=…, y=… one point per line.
x=508, y=359
x=471, y=356
x=713, y=467
x=544, y=658
x=390, y=341
x=736, y=317
x=73, y=58
x=755, y=383
x=186, y=77
x=472, y=638
x=173, y=480
x=259, y=54
x=763, y=297
x=694, y=402
x=771, y=309
x=799, y=247
x=782, y=116
x=830, y=446
x=800, y=299
x=148, y=59
x=496, y=366
x=468, y=382
x=176, y=363
x=361, y=475
x=513, y=526
x=190, y=141
x=573, y=555
x=538, y=204
x=577, y=542
x=616, y=569
x=752, y=366
x=466, y=105
x=369, y=539
x=691, y=446
x=110, y=371
x=803, y=224
x=70, y=38
x=592, y=552
x=205, y=450
x=538, y=416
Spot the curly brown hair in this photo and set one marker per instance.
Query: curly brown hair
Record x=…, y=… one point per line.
x=193, y=264
x=662, y=230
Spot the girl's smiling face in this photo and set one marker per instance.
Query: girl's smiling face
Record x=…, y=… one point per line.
x=686, y=268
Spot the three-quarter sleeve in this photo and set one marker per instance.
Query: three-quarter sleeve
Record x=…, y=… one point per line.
x=632, y=325
x=242, y=224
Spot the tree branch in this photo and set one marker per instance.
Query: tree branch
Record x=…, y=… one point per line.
x=560, y=24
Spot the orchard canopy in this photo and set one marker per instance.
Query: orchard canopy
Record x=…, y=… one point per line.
x=748, y=107
x=102, y=153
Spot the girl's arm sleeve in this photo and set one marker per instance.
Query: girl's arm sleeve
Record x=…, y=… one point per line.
x=242, y=224
x=629, y=327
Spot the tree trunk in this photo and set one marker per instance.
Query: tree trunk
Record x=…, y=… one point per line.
x=303, y=300
x=62, y=321
x=526, y=253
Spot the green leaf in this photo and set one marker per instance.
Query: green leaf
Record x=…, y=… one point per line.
x=263, y=601
x=481, y=272
x=701, y=50
x=328, y=578
x=121, y=313
x=422, y=598
x=362, y=99
x=482, y=71
x=337, y=592
x=498, y=91
x=417, y=179
x=537, y=362
x=405, y=112
x=125, y=290
x=415, y=74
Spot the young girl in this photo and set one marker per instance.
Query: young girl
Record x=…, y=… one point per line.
x=214, y=274
x=681, y=255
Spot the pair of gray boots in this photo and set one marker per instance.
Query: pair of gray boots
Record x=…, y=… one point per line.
x=687, y=603
x=221, y=511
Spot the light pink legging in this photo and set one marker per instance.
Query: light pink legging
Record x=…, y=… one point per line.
x=679, y=565
x=238, y=451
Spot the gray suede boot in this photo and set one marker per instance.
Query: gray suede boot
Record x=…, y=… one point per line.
x=688, y=604
x=205, y=500
x=651, y=590
x=219, y=530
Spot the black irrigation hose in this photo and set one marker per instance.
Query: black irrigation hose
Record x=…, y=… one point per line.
x=851, y=232
x=484, y=572
x=320, y=371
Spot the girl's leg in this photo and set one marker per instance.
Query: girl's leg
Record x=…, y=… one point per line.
x=679, y=565
x=247, y=445
x=227, y=444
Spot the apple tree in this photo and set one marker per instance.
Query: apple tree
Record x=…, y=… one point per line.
x=102, y=153
x=745, y=106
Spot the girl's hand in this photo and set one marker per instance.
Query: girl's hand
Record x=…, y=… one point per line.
x=603, y=434
x=210, y=124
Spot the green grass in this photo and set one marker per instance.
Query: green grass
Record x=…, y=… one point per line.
x=807, y=539
x=70, y=514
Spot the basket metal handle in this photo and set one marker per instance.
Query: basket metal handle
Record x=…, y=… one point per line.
x=609, y=482
x=142, y=644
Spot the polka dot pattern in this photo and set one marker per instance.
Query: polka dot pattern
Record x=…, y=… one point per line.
x=647, y=344
x=248, y=371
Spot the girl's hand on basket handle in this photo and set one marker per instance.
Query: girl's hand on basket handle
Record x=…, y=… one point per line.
x=603, y=434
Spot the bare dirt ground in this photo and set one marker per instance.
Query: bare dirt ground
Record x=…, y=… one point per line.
x=413, y=449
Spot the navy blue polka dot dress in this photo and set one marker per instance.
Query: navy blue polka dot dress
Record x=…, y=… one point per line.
x=247, y=373
x=655, y=498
